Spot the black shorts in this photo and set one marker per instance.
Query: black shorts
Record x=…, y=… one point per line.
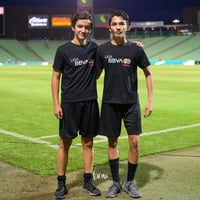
x=79, y=117
x=112, y=115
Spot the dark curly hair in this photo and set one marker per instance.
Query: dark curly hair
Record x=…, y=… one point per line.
x=81, y=15
x=119, y=13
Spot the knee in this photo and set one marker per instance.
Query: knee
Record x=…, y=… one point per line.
x=65, y=145
x=87, y=143
x=134, y=142
x=112, y=142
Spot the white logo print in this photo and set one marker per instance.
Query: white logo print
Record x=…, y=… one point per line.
x=37, y=21
x=78, y=62
x=126, y=62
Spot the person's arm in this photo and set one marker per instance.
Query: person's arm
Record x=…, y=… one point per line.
x=98, y=63
x=98, y=74
x=55, y=84
x=149, y=84
x=139, y=44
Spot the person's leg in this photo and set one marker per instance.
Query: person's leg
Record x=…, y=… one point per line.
x=87, y=145
x=110, y=126
x=133, y=157
x=132, y=121
x=62, y=161
x=113, y=152
x=113, y=157
x=62, y=156
x=113, y=122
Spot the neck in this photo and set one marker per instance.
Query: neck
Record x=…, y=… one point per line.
x=118, y=41
x=78, y=41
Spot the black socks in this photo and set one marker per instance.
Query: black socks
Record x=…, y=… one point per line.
x=87, y=177
x=61, y=180
x=114, y=167
x=131, y=171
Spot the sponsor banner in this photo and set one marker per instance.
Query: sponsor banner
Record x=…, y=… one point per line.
x=61, y=21
x=38, y=21
x=84, y=3
x=2, y=21
x=36, y=63
x=1, y=10
x=101, y=20
x=173, y=62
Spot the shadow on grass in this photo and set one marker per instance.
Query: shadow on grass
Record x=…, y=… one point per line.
x=145, y=173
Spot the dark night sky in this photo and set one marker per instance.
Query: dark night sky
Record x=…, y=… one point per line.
x=138, y=10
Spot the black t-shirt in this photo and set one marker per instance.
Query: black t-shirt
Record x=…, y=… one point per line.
x=76, y=63
x=120, y=64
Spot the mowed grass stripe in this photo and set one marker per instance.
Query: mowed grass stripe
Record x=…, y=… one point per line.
x=39, y=141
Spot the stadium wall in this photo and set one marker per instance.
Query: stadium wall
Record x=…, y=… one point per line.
x=16, y=24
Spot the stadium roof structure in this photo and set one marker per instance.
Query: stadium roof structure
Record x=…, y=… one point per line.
x=157, y=24
x=183, y=29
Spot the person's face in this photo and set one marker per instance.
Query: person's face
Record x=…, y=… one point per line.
x=118, y=27
x=82, y=29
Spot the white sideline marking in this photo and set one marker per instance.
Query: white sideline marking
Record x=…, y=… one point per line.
x=49, y=144
x=47, y=136
x=27, y=138
x=167, y=130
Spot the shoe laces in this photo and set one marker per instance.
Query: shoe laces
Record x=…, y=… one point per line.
x=115, y=185
x=131, y=186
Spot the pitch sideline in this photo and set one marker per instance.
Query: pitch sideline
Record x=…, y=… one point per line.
x=103, y=139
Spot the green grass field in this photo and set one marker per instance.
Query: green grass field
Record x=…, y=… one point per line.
x=29, y=130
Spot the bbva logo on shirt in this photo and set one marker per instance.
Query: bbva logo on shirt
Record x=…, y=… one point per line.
x=78, y=62
x=126, y=62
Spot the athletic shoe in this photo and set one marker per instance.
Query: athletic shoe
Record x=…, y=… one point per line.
x=132, y=190
x=114, y=190
x=91, y=189
x=60, y=192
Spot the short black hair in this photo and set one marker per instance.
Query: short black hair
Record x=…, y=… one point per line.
x=81, y=15
x=119, y=13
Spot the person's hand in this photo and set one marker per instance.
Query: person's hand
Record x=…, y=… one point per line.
x=148, y=109
x=58, y=112
x=139, y=44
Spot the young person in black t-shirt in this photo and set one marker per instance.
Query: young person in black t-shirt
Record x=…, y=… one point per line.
x=120, y=60
x=78, y=111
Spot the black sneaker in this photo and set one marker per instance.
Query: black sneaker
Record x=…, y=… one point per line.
x=114, y=190
x=91, y=189
x=60, y=192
